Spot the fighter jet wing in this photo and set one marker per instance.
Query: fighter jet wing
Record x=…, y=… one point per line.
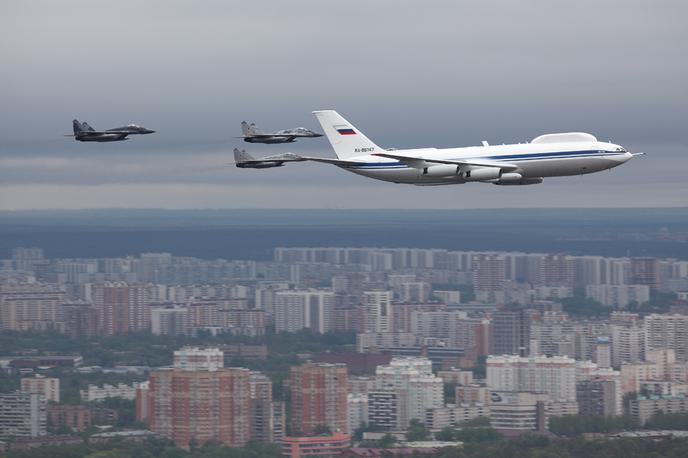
x=267, y=135
x=422, y=162
x=95, y=132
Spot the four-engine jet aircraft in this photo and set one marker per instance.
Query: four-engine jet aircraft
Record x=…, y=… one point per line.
x=243, y=160
x=253, y=134
x=550, y=155
x=85, y=133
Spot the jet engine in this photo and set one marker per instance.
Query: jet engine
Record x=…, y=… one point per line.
x=441, y=170
x=516, y=179
x=482, y=174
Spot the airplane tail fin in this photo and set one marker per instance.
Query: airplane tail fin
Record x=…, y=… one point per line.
x=255, y=130
x=346, y=140
x=242, y=156
x=85, y=126
x=245, y=129
x=250, y=129
x=76, y=125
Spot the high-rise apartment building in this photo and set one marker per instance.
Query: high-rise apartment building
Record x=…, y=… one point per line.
x=30, y=307
x=48, y=387
x=170, y=321
x=318, y=398
x=628, y=343
x=312, y=309
x=376, y=312
x=262, y=426
x=488, y=272
x=122, y=307
x=667, y=331
x=556, y=270
x=511, y=332
x=80, y=320
x=22, y=415
x=198, y=400
x=645, y=271
x=404, y=389
x=597, y=397
x=555, y=376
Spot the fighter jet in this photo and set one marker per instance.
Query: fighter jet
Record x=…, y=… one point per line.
x=85, y=133
x=243, y=160
x=253, y=134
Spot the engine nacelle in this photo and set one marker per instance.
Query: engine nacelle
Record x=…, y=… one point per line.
x=441, y=170
x=482, y=174
x=515, y=179
x=510, y=178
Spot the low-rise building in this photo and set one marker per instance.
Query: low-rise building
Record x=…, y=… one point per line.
x=333, y=445
x=96, y=393
x=452, y=415
x=518, y=411
x=643, y=408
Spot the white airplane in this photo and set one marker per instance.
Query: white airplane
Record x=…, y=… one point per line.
x=550, y=155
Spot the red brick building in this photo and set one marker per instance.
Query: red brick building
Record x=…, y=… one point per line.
x=200, y=405
x=318, y=398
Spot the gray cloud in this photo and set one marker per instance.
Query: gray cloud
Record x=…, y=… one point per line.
x=407, y=73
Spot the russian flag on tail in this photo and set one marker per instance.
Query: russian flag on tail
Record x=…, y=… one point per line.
x=345, y=130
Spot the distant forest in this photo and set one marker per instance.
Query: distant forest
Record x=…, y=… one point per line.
x=252, y=234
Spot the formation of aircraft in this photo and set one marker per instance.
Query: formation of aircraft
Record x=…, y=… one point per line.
x=85, y=133
x=549, y=155
x=252, y=134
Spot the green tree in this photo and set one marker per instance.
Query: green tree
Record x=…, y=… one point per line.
x=386, y=441
x=446, y=434
x=417, y=431
x=477, y=435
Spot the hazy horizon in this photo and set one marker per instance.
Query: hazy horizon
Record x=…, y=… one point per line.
x=436, y=74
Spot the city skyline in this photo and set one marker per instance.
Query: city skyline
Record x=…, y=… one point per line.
x=325, y=347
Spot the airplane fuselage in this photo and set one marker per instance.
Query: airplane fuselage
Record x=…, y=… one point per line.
x=259, y=164
x=102, y=138
x=533, y=161
x=270, y=140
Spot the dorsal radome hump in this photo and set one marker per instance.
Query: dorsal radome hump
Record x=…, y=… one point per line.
x=565, y=137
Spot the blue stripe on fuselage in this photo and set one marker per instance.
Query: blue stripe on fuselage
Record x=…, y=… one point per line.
x=515, y=157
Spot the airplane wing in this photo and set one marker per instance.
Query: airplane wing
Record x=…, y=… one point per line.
x=338, y=162
x=94, y=132
x=266, y=135
x=422, y=162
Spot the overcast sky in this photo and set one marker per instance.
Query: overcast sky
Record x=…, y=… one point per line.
x=408, y=74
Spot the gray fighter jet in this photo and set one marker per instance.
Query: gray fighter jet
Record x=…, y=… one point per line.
x=253, y=134
x=85, y=133
x=243, y=160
